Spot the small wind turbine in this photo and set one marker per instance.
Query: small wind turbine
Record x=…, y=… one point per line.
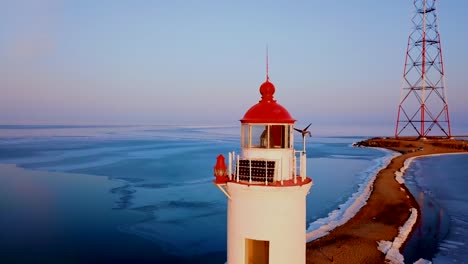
x=304, y=132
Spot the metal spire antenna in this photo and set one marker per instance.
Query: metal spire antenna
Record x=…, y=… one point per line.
x=267, y=74
x=423, y=104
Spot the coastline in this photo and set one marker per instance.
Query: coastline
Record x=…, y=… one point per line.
x=347, y=210
x=387, y=211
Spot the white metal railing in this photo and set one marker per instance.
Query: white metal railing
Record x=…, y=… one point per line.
x=230, y=160
x=301, y=157
x=251, y=167
x=299, y=168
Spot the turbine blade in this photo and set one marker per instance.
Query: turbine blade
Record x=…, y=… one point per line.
x=307, y=126
x=298, y=130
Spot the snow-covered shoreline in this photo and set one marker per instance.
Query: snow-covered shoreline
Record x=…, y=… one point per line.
x=356, y=201
x=401, y=172
x=349, y=209
x=391, y=249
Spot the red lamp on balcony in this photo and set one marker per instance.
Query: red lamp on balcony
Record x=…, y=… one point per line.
x=220, y=170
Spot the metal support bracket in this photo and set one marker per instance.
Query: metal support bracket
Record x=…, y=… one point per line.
x=223, y=188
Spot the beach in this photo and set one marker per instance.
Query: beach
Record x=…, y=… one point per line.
x=388, y=208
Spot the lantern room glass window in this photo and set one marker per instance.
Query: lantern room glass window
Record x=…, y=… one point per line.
x=276, y=139
x=245, y=136
x=288, y=130
x=258, y=137
x=266, y=136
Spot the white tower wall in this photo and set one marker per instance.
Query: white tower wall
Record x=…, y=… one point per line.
x=274, y=214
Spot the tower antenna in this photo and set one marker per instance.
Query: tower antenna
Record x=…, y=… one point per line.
x=423, y=105
x=267, y=74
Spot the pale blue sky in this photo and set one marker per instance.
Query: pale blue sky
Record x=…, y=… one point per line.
x=334, y=63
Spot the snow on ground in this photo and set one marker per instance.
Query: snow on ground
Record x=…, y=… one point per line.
x=392, y=249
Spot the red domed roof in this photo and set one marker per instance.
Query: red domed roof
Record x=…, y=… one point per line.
x=267, y=110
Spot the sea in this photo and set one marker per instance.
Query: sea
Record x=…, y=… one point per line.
x=439, y=184
x=144, y=194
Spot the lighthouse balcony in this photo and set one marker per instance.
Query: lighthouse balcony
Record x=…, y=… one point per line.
x=266, y=171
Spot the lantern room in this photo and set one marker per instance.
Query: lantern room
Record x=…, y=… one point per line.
x=267, y=141
x=267, y=124
x=277, y=136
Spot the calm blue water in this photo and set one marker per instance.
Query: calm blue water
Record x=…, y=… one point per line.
x=125, y=194
x=439, y=184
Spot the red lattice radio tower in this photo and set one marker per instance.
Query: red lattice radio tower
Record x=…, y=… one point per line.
x=423, y=106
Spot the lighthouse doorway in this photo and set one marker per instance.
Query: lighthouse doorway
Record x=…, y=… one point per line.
x=257, y=251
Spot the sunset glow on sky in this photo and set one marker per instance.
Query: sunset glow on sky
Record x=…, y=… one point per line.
x=334, y=63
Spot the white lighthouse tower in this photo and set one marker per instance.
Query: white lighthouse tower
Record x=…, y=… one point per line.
x=266, y=186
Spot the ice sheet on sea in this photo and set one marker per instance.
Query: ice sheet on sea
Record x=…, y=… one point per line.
x=448, y=245
x=176, y=192
x=80, y=165
x=453, y=248
x=342, y=156
x=347, y=210
x=78, y=159
x=62, y=155
x=399, y=174
x=453, y=198
x=160, y=153
x=180, y=209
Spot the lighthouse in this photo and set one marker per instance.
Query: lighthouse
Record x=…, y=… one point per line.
x=266, y=186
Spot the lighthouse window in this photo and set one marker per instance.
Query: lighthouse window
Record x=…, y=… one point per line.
x=259, y=136
x=276, y=136
x=287, y=136
x=265, y=136
x=245, y=136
